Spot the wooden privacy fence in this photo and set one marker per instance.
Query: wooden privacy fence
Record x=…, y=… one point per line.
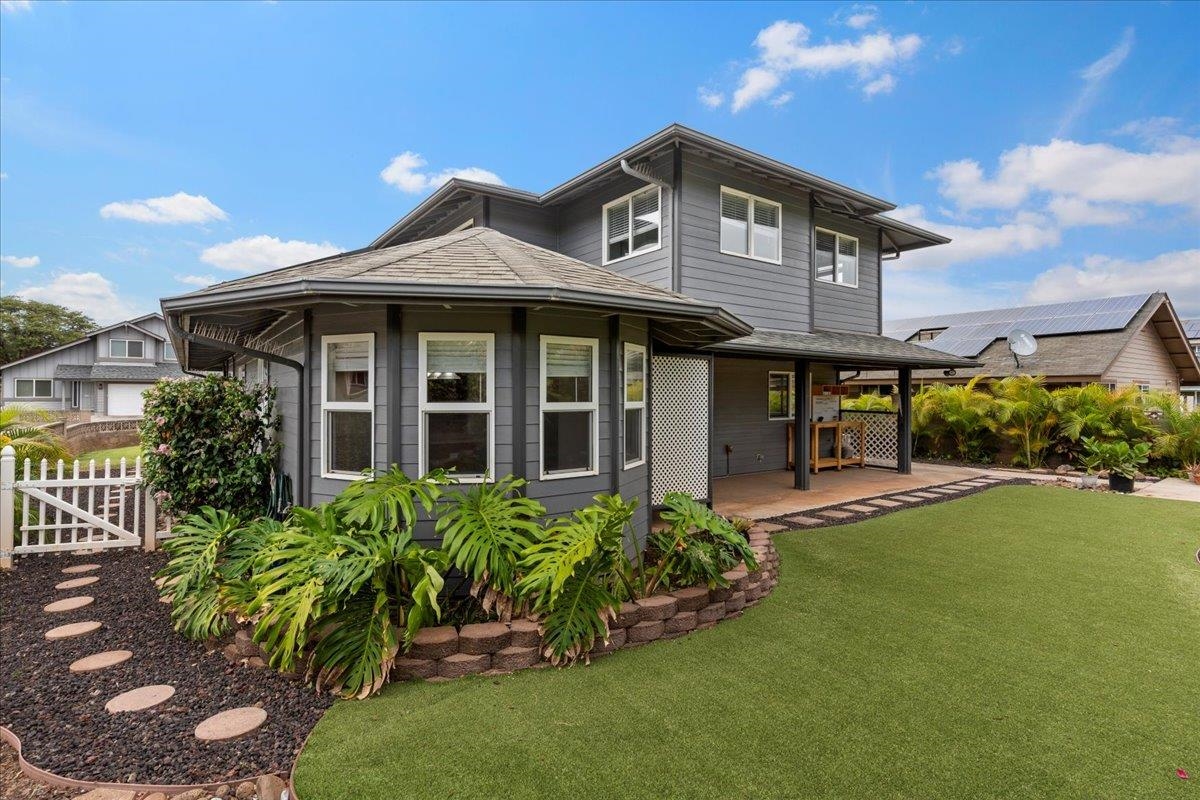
x=63, y=508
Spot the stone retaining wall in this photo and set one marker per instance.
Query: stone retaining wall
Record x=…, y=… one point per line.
x=497, y=647
x=84, y=437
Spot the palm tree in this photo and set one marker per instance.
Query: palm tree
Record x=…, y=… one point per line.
x=1097, y=412
x=962, y=413
x=21, y=426
x=1025, y=412
x=1179, y=434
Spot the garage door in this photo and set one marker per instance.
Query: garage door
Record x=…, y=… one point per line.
x=125, y=399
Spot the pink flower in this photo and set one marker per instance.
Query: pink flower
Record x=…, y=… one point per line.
x=1181, y=774
x=160, y=420
x=163, y=450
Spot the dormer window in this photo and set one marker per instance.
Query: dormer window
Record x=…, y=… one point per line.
x=750, y=226
x=837, y=258
x=632, y=224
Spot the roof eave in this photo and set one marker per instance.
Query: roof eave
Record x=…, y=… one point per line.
x=949, y=362
x=440, y=194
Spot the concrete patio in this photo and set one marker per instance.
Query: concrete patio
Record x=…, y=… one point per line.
x=771, y=494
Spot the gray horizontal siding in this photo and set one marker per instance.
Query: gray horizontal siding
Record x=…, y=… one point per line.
x=740, y=407
x=523, y=221
x=845, y=308
x=634, y=482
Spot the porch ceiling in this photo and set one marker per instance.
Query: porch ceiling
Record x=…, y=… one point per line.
x=852, y=350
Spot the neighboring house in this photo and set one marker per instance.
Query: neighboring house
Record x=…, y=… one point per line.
x=103, y=373
x=1191, y=391
x=640, y=328
x=1118, y=341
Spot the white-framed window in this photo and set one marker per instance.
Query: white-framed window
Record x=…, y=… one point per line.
x=570, y=429
x=632, y=224
x=34, y=388
x=457, y=400
x=169, y=352
x=751, y=226
x=347, y=404
x=781, y=395
x=1143, y=388
x=837, y=258
x=634, y=373
x=126, y=348
x=76, y=394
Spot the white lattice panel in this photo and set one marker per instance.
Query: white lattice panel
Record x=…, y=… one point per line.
x=881, y=436
x=679, y=393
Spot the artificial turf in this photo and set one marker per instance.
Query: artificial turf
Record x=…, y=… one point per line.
x=1023, y=642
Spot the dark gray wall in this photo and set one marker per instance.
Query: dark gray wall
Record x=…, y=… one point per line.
x=523, y=221
x=844, y=308
x=740, y=409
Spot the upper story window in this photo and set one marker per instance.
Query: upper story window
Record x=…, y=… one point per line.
x=456, y=403
x=348, y=404
x=635, y=405
x=126, y=348
x=570, y=410
x=751, y=226
x=633, y=224
x=837, y=258
x=169, y=352
x=29, y=388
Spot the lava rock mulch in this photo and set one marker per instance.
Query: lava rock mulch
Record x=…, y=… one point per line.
x=60, y=716
x=787, y=524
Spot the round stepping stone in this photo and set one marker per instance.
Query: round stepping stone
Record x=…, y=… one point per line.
x=109, y=658
x=230, y=724
x=140, y=698
x=68, y=604
x=73, y=630
x=78, y=568
x=76, y=583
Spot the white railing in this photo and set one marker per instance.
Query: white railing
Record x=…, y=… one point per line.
x=73, y=508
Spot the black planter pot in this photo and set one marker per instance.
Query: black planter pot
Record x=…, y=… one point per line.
x=1119, y=483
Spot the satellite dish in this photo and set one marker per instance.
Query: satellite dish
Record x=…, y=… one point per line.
x=1021, y=343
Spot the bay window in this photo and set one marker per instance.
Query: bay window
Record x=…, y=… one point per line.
x=837, y=258
x=632, y=224
x=635, y=405
x=751, y=226
x=569, y=424
x=348, y=404
x=457, y=402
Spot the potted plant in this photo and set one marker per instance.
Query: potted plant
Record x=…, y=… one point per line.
x=1120, y=459
x=1090, y=461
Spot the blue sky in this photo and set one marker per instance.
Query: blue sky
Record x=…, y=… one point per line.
x=147, y=149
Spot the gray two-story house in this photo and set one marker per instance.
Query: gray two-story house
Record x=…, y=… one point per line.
x=103, y=373
x=651, y=324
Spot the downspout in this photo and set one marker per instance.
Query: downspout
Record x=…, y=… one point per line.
x=302, y=422
x=643, y=175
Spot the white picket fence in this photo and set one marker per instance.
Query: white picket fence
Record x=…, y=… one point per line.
x=75, y=507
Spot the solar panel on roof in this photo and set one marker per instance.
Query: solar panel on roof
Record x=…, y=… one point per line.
x=1191, y=328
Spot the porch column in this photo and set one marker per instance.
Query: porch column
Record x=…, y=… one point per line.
x=904, y=424
x=801, y=442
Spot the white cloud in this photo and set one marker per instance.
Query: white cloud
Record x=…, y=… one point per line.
x=1094, y=76
x=13, y=6
x=200, y=281
x=908, y=293
x=21, y=262
x=89, y=292
x=257, y=253
x=881, y=85
x=1177, y=273
x=1025, y=233
x=406, y=174
x=780, y=100
x=954, y=46
x=860, y=16
x=1074, y=211
x=177, y=208
x=710, y=98
x=784, y=48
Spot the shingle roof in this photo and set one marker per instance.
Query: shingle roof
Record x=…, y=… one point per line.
x=850, y=349
x=118, y=373
x=1191, y=328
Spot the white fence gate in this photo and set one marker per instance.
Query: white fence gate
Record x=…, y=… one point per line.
x=73, y=508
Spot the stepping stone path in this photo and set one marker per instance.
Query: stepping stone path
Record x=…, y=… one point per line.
x=834, y=513
x=861, y=509
x=800, y=519
x=926, y=495
x=231, y=724
x=73, y=630
x=77, y=583
x=885, y=502
x=140, y=698
x=109, y=658
x=904, y=498
x=68, y=604
x=78, y=568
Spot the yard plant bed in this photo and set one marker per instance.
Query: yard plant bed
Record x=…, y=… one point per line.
x=60, y=717
x=1025, y=641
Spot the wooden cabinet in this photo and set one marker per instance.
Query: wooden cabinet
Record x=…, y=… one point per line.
x=834, y=459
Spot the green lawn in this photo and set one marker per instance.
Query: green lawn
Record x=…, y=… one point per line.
x=1024, y=642
x=116, y=454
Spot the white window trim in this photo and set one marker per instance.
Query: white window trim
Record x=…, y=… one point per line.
x=604, y=259
x=546, y=406
x=33, y=395
x=126, y=341
x=626, y=403
x=791, y=396
x=753, y=199
x=836, y=247
x=424, y=405
x=362, y=406
x=174, y=356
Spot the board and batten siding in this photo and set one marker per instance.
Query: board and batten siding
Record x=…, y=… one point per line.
x=581, y=228
x=765, y=294
x=847, y=308
x=1144, y=360
x=43, y=368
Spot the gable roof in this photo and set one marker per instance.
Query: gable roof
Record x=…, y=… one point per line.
x=833, y=195
x=129, y=323
x=852, y=349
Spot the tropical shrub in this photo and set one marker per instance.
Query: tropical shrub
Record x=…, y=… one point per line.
x=1097, y=412
x=868, y=401
x=960, y=417
x=1118, y=457
x=1178, y=434
x=1024, y=412
x=208, y=443
x=696, y=548
x=21, y=427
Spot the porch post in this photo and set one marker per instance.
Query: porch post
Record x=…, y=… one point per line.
x=904, y=424
x=801, y=441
